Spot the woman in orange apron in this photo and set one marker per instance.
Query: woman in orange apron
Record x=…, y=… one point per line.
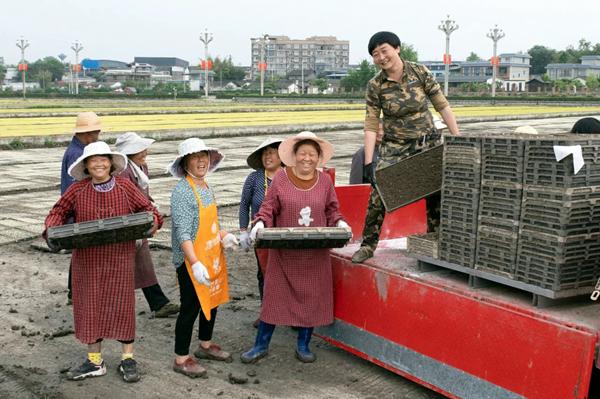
x=198, y=255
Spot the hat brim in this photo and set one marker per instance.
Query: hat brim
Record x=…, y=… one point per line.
x=286, y=150
x=139, y=145
x=88, y=129
x=77, y=169
x=176, y=169
x=254, y=160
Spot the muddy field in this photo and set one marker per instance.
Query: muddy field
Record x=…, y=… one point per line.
x=37, y=345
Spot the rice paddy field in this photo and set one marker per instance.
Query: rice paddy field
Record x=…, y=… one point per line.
x=48, y=117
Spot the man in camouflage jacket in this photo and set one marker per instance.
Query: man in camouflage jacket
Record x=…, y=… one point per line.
x=400, y=91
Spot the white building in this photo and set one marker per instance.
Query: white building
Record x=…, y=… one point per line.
x=590, y=66
x=312, y=55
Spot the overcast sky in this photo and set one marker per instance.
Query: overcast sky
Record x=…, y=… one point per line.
x=122, y=29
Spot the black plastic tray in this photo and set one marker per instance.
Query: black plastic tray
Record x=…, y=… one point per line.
x=101, y=231
x=302, y=237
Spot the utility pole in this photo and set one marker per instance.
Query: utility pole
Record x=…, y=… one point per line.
x=206, y=39
x=448, y=26
x=76, y=47
x=23, y=44
x=262, y=66
x=495, y=34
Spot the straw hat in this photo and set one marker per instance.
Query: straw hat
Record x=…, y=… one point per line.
x=78, y=171
x=254, y=160
x=87, y=122
x=131, y=143
x=191, y=146
x=526, y=129
x=286, y=148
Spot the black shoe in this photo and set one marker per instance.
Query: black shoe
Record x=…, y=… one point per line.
x=128, y=370
x=87, y=369
x=166, y=310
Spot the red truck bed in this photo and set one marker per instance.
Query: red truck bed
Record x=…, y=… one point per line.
x=464, y=342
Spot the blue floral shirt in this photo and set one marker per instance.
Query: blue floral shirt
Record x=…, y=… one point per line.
x=185, y=215
x=74, y=151
x=253, y=194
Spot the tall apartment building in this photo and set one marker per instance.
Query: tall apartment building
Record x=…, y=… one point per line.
x=314, y=55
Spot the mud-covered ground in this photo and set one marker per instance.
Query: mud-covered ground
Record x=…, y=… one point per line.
x=37, y=345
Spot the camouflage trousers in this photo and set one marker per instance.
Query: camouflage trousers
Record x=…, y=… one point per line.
x=389, y=155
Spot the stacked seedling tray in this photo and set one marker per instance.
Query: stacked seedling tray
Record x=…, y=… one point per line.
x=460, y=200
x=559, y=238
x=501, y=193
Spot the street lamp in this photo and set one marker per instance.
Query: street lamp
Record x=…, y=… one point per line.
x=77, y=47
x=495, y=34
x=448, y=26
x=262, y=66
x=23, y=44
x=206, y=39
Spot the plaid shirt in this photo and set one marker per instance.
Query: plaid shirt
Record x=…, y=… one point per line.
x=103, y=279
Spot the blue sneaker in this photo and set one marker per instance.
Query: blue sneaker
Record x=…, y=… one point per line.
x=87, y=369
x=128, y=370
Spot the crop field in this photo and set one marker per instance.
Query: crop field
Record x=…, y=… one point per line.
x=20, y=118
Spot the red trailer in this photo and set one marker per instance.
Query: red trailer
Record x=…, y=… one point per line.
x=435, y=326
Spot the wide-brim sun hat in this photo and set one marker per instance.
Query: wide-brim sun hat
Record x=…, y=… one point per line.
x=286, y=148
x=131, y=143
x=254, y=160
x=191, y=146
x=77, y=169
x=87, y=122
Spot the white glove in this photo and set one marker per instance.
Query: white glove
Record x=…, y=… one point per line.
x=138, y=244
x=201, y=273
x=230, y=241
x=343, y=224
x=245, y=240
x=258, y=226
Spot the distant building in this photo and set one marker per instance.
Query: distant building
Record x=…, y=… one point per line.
x=537, y=85
x=196, y=79
x=314, y=55
x=91, y=66
x=137, y=72
x=173, y=66
x=512, y=72
x=590, y=66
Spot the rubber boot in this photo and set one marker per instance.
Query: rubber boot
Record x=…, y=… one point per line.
x=261, y=345
x=303, y=353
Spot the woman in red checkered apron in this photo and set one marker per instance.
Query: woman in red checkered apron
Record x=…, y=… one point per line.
x=298, y=288
x=102, y=276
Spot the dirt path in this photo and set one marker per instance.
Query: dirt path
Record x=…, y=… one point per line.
x=37, y=345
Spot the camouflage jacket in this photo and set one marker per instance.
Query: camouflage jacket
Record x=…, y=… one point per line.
x=404, y=104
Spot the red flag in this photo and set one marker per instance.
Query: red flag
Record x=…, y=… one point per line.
x=23, y=67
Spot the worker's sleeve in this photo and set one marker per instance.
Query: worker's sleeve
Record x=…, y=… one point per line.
x=373, y=109
x=433, y=89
